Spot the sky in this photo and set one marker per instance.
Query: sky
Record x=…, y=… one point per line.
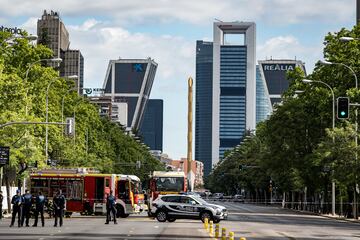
x=167, y=30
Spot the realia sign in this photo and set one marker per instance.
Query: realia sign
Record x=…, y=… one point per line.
x=279, y=67
x=14, y=30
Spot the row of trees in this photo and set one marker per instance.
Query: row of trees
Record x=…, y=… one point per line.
x=99, y=143
x=295, y=153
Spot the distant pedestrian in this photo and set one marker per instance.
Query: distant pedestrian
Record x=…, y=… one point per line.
x=39, y=209
x=17, y=201
x=110, y=207
x=26, y=208
x=1, y=202
x=59, y=206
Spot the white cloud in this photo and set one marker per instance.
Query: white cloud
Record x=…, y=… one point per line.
x=289, y=47
x=199, y=12
x=175, y=55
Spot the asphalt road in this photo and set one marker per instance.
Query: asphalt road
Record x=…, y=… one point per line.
x=264, y=222
x=133, y=227
x=245, y=220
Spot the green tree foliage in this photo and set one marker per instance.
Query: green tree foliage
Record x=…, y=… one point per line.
x=98, y=142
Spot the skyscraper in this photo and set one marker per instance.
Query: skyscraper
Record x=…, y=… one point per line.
x=151, y=128
x=234, y=85
x=129, y=82
x=274, y=76
x=203, y=103
x=53, y=34
x=225, y=90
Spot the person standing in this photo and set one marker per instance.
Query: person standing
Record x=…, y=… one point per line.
x=17, y=200
x=26, y=208
x=1, y=202
x=59, y=205
x=110, y=207
x=39, y=208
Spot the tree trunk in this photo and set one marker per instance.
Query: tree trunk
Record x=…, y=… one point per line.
x=283, y=200
x=7, y=183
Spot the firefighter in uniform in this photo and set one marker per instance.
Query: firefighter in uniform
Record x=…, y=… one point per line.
x=39, y=208
x=26, y=208
x=59, y=206
x=110, y=207
x=17, y=200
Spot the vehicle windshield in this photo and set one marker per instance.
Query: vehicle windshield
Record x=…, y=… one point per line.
x=174, y=184
x=200, y=200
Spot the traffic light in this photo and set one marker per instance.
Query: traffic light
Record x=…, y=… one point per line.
x=343, y=108
x=70, y=126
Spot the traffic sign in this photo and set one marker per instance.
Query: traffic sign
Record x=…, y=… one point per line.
x=4, y=155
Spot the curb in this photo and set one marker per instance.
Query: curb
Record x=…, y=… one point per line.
x=323, y=215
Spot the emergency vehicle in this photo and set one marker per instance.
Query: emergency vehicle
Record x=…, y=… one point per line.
x=162, y=183
x=85, y=190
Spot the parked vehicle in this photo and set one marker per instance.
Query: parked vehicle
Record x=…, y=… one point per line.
x=175, y=206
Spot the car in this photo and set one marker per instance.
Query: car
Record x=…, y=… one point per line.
x=238, y=198
x=176, y=206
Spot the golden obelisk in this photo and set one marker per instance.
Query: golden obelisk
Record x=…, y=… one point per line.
x=190, y=173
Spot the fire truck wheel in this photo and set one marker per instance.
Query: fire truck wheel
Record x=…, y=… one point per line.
x=120, y=212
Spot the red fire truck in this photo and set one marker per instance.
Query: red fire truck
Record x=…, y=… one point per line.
x=162, y=183
x=85, y=190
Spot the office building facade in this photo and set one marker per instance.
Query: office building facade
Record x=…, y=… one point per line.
x=203, y=103
x=274, y=76
x=225, y=90
x=234, y=85
x=52, y=33
x=151, y=129
x=130, y=81
x=263, y=104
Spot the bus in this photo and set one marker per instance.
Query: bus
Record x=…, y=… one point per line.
x=85, y=190
x=162, y=183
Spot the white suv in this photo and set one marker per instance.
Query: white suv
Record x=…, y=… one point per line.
x=173, y=206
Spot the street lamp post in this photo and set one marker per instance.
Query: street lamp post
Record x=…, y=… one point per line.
x=47, y=112
x=62, y=104
x=333, y=127
x=30, y=65
x=356, y=115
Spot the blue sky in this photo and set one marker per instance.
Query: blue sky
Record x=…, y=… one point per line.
x=167, y=30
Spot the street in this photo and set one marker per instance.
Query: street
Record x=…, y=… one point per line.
x=245, y=220
x=265, y=222
x=133, y=227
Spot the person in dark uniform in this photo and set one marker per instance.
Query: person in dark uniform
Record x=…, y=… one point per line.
x=17, y=200
x=39, y=208
x=110, y=207
x=1, y=202
x=59, y=205
x=26, y=208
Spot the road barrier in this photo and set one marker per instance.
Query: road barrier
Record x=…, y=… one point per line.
x=206, y=223
x=231, y=236
x=223, y=234
x=209, y=227
x=217, y=230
